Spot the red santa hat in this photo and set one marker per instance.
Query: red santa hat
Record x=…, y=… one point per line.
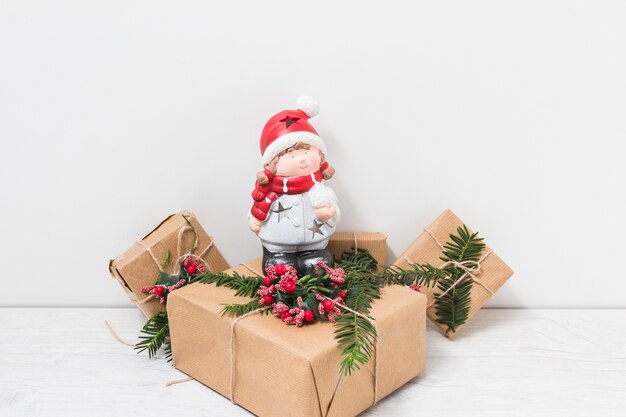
x=285, y=129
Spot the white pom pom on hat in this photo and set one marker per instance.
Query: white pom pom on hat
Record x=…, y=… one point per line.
x=309, y=105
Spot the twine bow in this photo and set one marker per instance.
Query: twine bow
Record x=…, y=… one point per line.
x=179, y=257
x=469, y=268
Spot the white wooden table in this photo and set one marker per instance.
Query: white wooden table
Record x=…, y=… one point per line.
x=64, y=362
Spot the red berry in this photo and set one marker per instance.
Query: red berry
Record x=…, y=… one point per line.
x=289, y=287
x=328, y=305
x=342, y=294
x=191, y=269
x=268, y=299
x=159, y=290
x=267, y=281
x=308, y=315
x=284, y=315
x=280, y=269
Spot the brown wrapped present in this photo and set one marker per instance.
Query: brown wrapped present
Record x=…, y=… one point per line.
x=488, y=274
x=273, y=369
x=140, y=265
x=375, y=243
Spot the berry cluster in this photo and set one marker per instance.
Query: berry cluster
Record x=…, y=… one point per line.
x=298, y=300
x=193, y=266
x=165, y=284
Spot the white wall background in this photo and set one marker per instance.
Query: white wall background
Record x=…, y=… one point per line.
x=114, y=114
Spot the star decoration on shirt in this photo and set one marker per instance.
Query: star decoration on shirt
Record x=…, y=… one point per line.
x=288, y=120
x=316, y=229
x=281, y=211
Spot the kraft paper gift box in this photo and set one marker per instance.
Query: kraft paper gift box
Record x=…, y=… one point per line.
x=273, y=369
x=491, y=275
x=140, y=265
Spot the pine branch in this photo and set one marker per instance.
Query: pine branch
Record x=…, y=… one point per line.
x=361, y=294
x=241, y=309
x=452, y=307
x=356, y=335
x=168, y=349
x=244, y=286
x=362, y=266
x=425, y=275
x=359, y=261
x=464, y=247
x=218, y=279
x=156, y=330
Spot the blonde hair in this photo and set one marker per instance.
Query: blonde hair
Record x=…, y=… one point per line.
x=262, y=178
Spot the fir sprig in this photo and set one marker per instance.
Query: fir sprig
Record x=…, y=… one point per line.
x=155, y=332
x=452, y=304
x=244, y=286
x=241, y=309
x=356, y=334
x=464, y=247
x=167, y=349
x=358, y=261
x=362, y=265
x=419, y=274
x=452, y=307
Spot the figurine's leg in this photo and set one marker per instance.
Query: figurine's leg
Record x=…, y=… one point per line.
x=307, y=260
x=290, y=258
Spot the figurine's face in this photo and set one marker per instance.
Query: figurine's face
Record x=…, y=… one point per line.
x=298, y=162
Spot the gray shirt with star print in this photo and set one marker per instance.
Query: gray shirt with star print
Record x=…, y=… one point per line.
x=291, y=225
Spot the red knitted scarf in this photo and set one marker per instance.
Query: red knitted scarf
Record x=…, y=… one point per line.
x=264, y=195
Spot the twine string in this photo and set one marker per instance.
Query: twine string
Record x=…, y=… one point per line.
x=122, y=341
x=233, y=350
x=149, y=250
x=355, y=243
x=413, y=264
x=181, y=232
x=469, y=268
x=178, y=381
x=114, y=333
x=435, y=239
x=204, y=252
x=148, y=298
x=254, y=271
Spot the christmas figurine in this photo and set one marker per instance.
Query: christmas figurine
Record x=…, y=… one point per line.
x=294, y=211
